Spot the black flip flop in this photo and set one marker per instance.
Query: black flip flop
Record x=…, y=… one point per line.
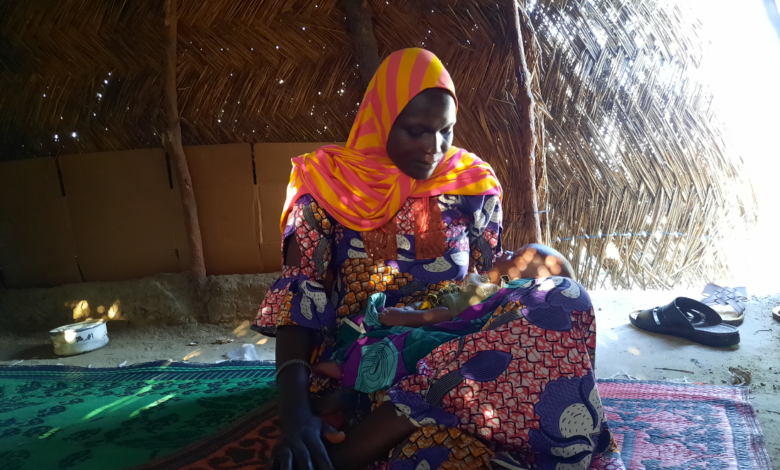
x=688, y=319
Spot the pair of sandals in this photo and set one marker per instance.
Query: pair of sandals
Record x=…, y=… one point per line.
x=711, y=321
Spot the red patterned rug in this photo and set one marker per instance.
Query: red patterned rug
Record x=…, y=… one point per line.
x=670, y=426
x=658, y=426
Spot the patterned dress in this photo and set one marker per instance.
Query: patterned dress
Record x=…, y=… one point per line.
x=473, y=226
x=517, y=393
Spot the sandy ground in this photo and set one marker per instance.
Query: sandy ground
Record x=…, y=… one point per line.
x=622, y=349
x=132, y=345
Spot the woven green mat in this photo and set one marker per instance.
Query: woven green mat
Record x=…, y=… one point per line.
x=54, y=417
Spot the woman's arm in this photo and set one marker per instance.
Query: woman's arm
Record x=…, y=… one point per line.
x=293, y=343
x=485, y=241
x=301, y=443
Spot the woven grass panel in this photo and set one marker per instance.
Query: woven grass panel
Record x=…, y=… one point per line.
x=633, y=145
x=625, y=137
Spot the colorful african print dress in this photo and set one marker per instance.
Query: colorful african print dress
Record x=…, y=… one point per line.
x=513, y=388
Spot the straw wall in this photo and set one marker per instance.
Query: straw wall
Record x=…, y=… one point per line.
x=627, y=140
x=642, y=184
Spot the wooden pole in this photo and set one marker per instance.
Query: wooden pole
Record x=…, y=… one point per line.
x=359, y=15
x=531, y=231
x=172, y=143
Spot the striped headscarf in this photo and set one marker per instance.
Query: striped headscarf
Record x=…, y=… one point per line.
x=358, y=184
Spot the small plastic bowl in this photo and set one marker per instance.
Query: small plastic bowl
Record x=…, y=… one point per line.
x=79, y=337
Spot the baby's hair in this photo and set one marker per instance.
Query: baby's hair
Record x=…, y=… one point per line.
x=544, y=252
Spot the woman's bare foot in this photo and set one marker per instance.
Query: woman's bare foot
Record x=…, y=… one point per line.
x=328, y=369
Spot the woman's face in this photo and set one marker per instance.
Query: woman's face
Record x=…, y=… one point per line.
x=422, y=133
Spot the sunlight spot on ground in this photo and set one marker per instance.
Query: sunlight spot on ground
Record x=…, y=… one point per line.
x=242, y=329
x=152, y=405
x=194, y=353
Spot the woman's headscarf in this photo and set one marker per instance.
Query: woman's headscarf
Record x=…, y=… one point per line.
x=359, y=185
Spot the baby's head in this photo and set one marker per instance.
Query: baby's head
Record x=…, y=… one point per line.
x=531, y=261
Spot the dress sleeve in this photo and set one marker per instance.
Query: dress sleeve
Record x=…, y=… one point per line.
x=298, y=296
x=485, y=235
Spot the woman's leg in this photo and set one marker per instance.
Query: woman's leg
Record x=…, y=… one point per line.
x=371, y=439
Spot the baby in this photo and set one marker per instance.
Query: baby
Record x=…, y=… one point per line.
x=532, y=261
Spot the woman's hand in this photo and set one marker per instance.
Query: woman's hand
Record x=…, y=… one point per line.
x=302, y=445
x=505, y=264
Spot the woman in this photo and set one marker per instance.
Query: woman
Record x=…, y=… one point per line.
x=401, y=211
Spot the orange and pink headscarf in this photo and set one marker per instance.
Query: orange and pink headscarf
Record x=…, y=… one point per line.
x=358, y=184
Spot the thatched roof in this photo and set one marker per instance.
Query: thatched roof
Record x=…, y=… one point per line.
x=629, y=139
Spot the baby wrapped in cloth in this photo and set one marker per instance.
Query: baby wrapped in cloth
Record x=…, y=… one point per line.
x=377, y=347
